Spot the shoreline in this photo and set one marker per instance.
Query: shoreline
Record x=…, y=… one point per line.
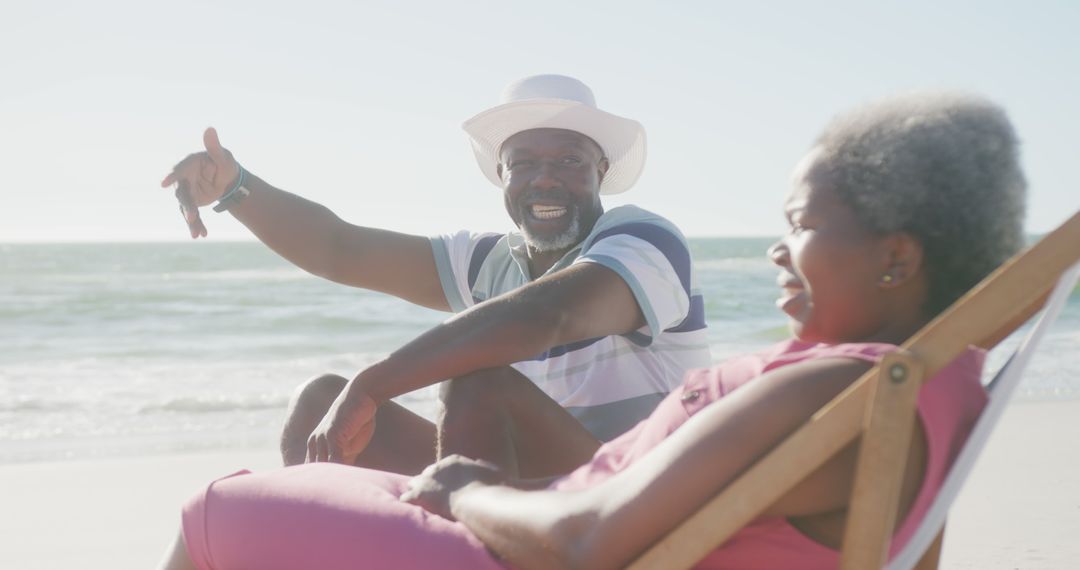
x=1019, y=509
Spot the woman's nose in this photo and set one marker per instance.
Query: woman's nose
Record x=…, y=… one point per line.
x=778, y=253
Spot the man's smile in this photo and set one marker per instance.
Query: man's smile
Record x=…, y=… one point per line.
x=544, y=212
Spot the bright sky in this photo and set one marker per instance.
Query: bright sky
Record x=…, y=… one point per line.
x=358, y=105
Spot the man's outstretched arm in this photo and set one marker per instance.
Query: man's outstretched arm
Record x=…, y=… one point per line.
x=308, y=234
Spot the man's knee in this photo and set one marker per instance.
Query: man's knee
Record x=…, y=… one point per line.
x=320, y=387
x=484, y=403
x=499, y=415
x=307, y=407
x=491, y=388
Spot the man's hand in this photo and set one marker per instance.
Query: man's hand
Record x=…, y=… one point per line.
x=433, y=489
x=346, y=428
x=202, y=178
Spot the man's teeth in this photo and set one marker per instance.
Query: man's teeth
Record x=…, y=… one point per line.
x=547, y=212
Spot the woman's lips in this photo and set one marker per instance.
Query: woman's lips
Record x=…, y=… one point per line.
x=792, y=293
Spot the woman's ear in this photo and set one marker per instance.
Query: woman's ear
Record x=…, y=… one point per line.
x=903, y=255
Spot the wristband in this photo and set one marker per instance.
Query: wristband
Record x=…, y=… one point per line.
x=235, y=194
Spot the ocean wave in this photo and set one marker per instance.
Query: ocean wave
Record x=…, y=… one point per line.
x=32, y=404
x=191, y=404
x=246, y=275
x=728, y=263
x=134, y=278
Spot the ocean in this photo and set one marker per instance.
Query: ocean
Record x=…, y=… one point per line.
x=126, y=349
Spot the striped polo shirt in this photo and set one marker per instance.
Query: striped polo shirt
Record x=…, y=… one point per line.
x=608, y=383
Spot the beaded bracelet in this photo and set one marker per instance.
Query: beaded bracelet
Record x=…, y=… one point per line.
x=235, y=194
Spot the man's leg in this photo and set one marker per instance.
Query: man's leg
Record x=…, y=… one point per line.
x=403, y=442
x=499, y=415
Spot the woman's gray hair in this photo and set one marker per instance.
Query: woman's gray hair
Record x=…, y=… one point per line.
x=943, y=168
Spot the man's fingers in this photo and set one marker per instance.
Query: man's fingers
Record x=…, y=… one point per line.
x=186, y=160
x=195, y=225
x=169, y=180
x=213, y=147
x=189, y=210
x=198, y=229
x=187, y=203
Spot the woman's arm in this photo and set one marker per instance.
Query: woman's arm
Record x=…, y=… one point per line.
x=609, y=524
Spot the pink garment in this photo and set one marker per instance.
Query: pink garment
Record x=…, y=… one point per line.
x=948, y=406
x=330, y=516
x=322, y=516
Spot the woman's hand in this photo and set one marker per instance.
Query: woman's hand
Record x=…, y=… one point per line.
x=434, y=489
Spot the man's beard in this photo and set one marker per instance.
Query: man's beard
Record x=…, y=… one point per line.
x=558, y=242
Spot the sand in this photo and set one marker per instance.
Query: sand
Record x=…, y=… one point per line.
x=1021, y=506
x=1021, y=509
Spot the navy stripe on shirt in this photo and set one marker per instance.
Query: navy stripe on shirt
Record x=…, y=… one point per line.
x=695, y=320
x=479, y=254
x=695, y=316
x=666, y=242
x=562, y=349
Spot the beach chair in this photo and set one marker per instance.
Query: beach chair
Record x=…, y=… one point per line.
x=879, y=408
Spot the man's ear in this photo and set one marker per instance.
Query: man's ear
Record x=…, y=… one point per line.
x=499, y=170
x=903, y=257
x=602, y=167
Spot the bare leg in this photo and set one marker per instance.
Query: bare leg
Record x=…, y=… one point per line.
x=499, y=415
x=177, y=557
x=403, y=443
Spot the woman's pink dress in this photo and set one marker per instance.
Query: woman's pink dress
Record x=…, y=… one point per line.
x=329, y=516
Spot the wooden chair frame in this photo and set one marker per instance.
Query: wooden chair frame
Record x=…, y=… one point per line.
x=879, y=408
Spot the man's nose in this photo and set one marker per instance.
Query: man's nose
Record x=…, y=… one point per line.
x=546, y=178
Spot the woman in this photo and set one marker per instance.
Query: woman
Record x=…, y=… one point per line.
x=898, y=209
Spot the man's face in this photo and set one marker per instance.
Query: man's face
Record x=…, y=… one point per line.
x=551, y=181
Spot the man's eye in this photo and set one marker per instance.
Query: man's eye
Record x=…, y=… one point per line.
x=571, y=160
x=519, y=164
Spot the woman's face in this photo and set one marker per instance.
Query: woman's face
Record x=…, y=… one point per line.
x=831, y=266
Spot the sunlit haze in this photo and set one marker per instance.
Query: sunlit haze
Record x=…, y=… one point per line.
x=358, y=105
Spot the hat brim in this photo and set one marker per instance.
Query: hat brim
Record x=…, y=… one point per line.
x=622, y=139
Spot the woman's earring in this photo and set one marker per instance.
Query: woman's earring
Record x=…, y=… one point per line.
x=887, y=278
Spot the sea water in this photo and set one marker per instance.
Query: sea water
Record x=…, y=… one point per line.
x=121, y=349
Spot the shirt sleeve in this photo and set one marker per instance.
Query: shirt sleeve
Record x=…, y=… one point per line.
x=655, y=263
x=458, y=257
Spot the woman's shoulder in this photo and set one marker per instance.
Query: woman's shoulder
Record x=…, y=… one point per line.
x=736, y=371
x=794, y=351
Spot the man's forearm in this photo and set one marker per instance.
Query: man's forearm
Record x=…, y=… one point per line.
x=319, y=242
x=581, y=302
x=497, y=333
x=298, y=229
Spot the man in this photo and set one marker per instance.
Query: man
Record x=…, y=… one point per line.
x=567, y=333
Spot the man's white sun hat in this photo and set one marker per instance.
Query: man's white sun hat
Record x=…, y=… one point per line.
x=559, y=102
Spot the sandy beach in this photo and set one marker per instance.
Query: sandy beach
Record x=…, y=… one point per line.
x=1021, y=509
